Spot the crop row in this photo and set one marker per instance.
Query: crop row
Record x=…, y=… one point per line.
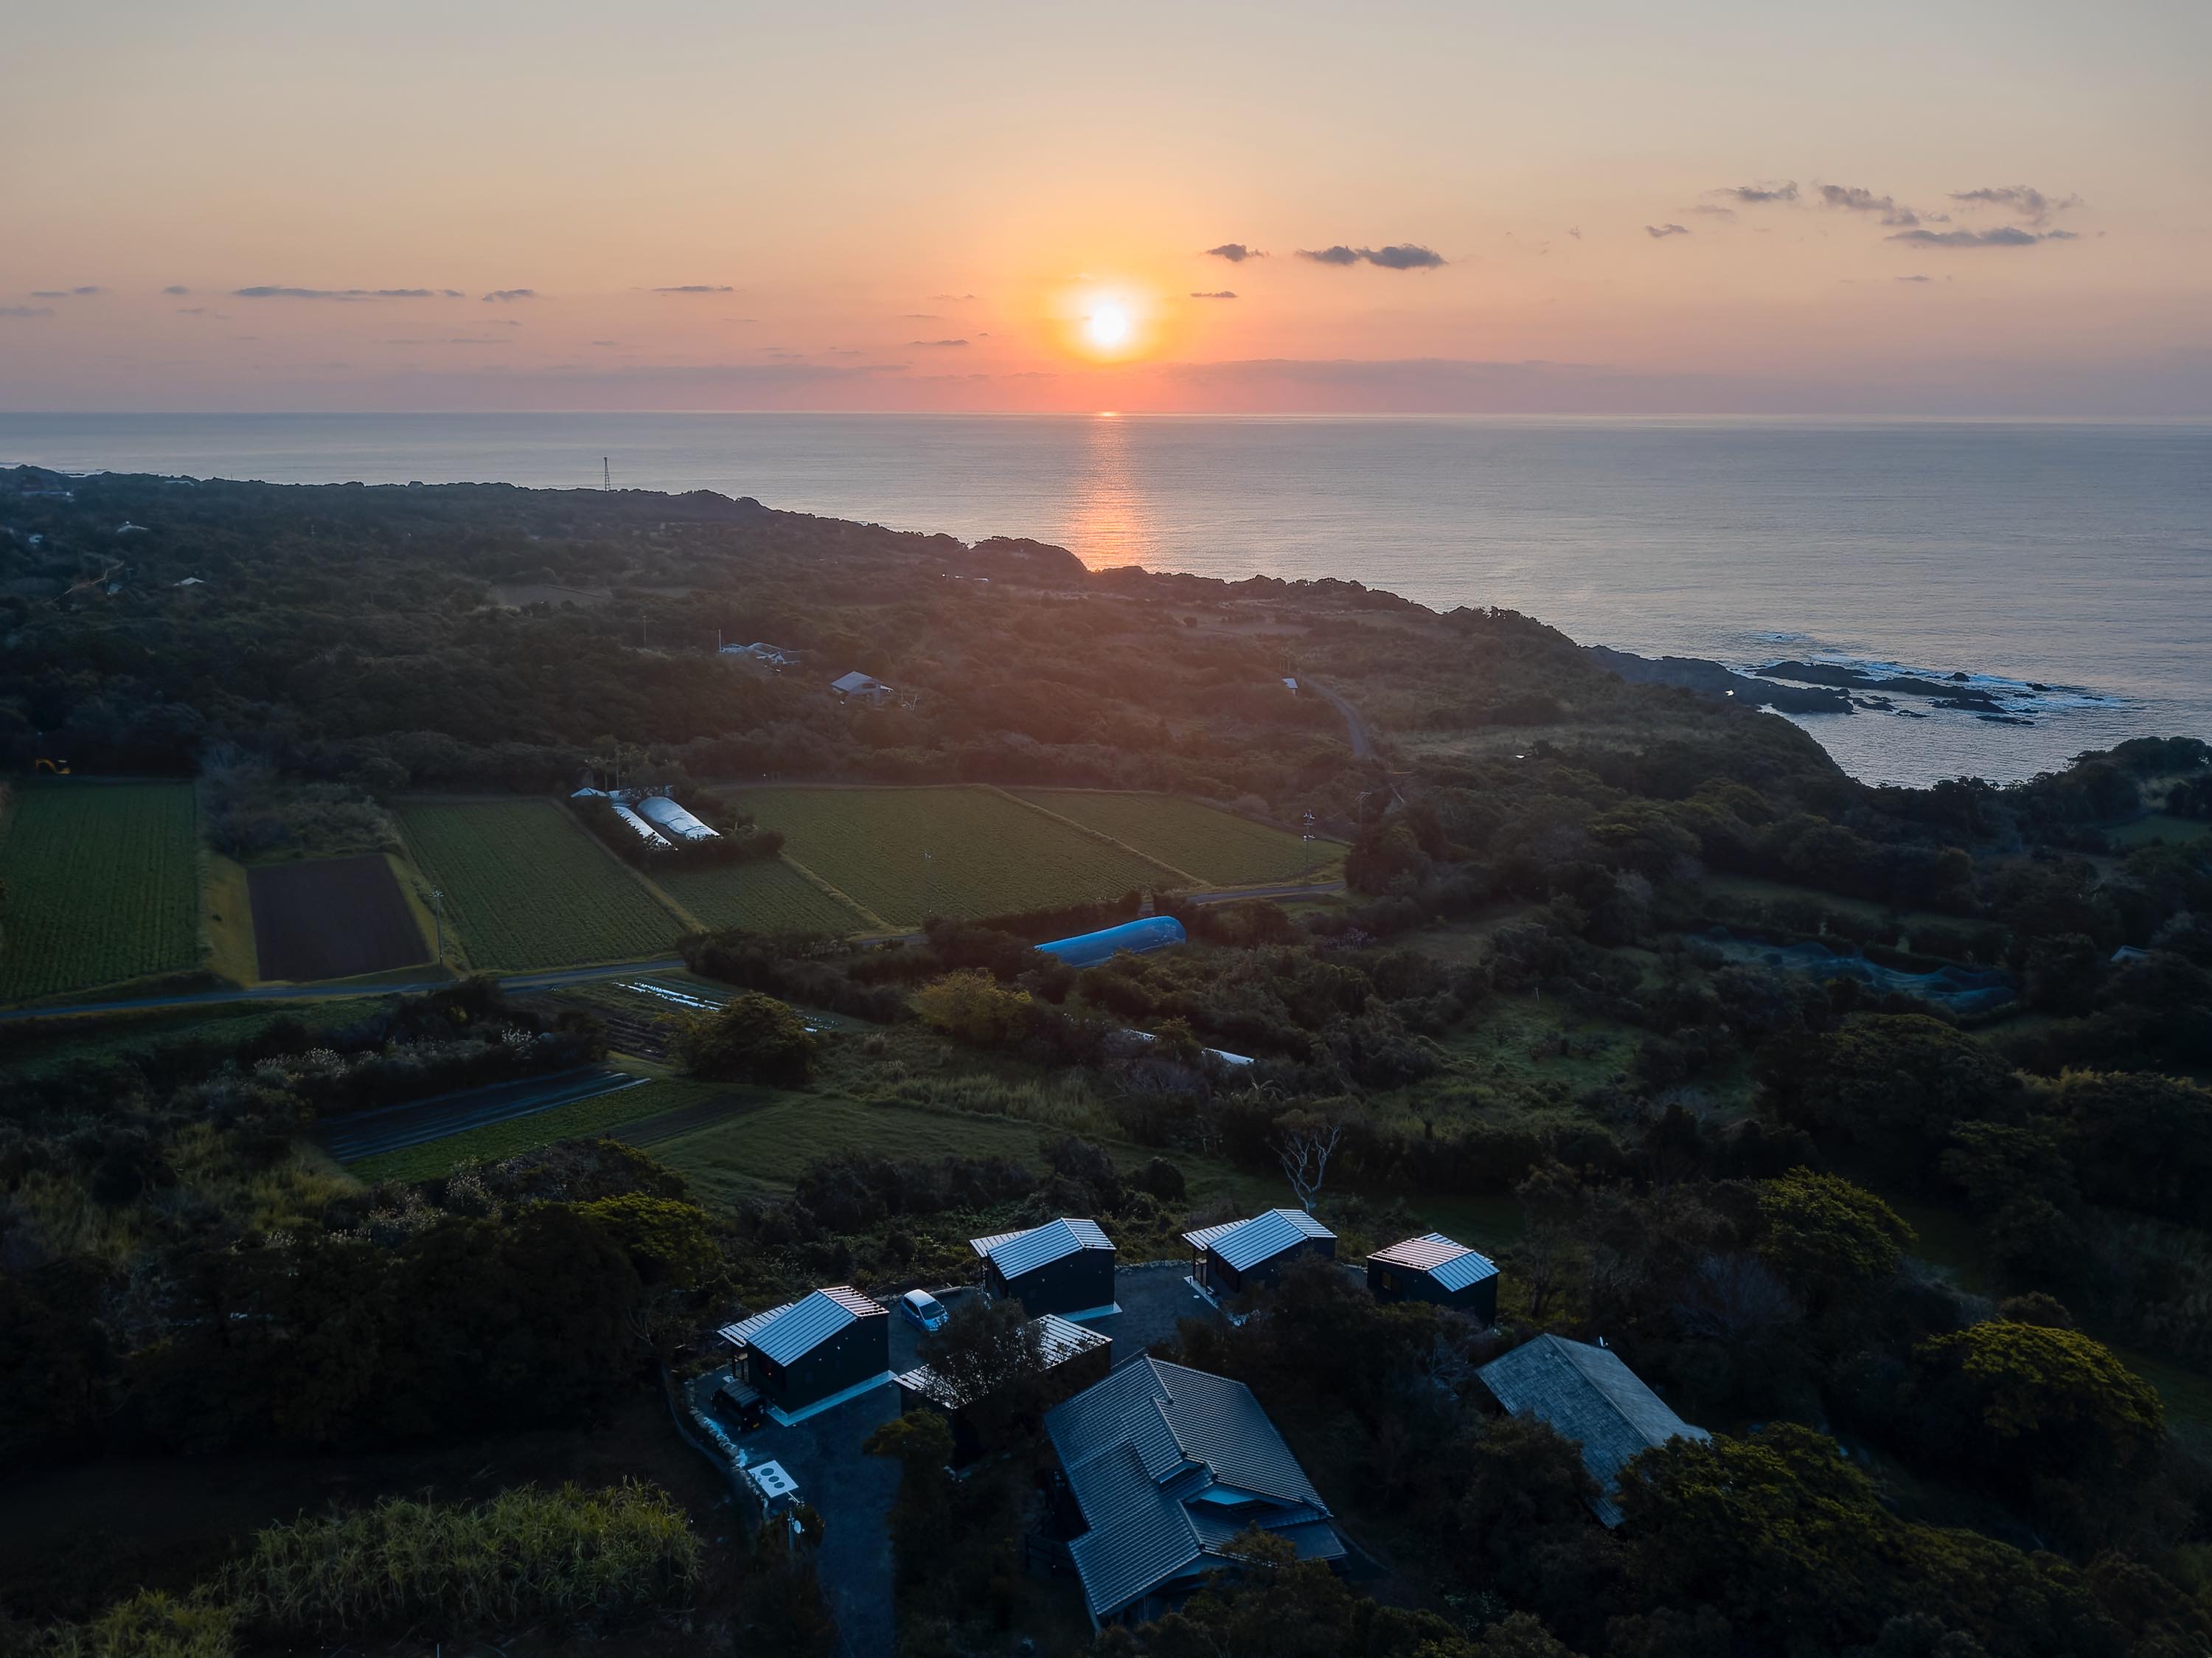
x=102, y=885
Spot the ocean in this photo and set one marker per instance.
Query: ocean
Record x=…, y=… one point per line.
x=2073, y=557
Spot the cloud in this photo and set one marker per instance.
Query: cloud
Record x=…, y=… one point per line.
x=1711, y=211
x=508, y=296
x=26, y=310
x=2005, y=236
x=955, y=297
x=463, y=340
x=1575, y=231
x=1660, y=232
x=85, y=292
x=1235, y=252
x=2023, y=200
x=1912, y=279
x=697, y=288
x=176, y=289
x=1850, y=199
x=932, y=344
x=1758, y=195
x=1219, y=293
x=273, y=291
x=917, y=316
x=1400, y=256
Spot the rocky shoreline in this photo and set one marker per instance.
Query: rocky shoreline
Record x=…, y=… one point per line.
x=1791, y=686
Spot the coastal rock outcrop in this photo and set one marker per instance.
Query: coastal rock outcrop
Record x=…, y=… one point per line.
x=1695, y=674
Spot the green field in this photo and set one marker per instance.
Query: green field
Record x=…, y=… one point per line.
x=526, y=886
x=761, y=897
x=1216, y=846
x=103, y=885
x=2155, y=828
x=494, y=1141
x=907, y=854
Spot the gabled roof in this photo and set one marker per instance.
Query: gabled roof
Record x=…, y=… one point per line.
x=1058, y=1341
x=1590, y=1397
x=1242, y=1244
x=783, y=1333
x=1452, y=1265
x=1015, y=1253
x=854, y=681
x=1142, y=1450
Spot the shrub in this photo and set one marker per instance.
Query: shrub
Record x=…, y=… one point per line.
x=526, y=1557
x=752, y=1038
x=971, y=1007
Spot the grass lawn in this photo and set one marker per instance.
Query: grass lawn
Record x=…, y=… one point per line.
x=577, y=1120
x=1216, y=847
x=526, y=886
x=103, y=885
x=769, y=897
x=907, y=854
x=2158, y=827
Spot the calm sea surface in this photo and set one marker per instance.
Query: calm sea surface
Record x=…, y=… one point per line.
x=2077, y=556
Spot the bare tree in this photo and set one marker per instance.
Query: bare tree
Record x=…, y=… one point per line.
x=1305, y=1142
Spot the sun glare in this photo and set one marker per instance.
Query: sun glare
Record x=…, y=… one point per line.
x=1108, y=326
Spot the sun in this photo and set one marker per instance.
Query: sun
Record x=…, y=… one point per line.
x=1108, y=326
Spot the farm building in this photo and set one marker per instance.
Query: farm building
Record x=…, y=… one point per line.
x=808, y=1354
x=1164, y=1466
x=1089, y=949
x=1074, y=1358
x=672, y=820
x=1435, y=1269
x=762, y=654
x=856, y=684
x=644, y=830
x=1063, y=1266
x=1590, y=1397
x=1231, y=1258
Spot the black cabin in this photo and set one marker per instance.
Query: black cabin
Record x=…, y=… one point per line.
x=1435, y=1269
x=800, y=1354
x=1065, y=1266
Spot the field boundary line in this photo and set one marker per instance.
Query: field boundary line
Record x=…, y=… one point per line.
x=840, y=894
x=1095, y=834
x=676, y=911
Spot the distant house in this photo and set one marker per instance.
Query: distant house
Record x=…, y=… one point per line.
x=1590, y=1397
x=1229, y=1258
x=805, y=1355
x=1164, y=1466
x=847, y=686
x=1435, y=1269
x=1065, y=1266
x=1074, y=1358
x=1290, y=685
x=763, y=654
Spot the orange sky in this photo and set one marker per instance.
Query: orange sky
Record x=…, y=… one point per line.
x=2003, y=208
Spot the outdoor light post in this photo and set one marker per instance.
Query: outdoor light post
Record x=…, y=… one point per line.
x=1305, y=845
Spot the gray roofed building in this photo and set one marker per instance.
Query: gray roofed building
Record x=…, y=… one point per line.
x=1436, y=1269
x=857, y=684
x=1228, y=1257
x=809, y=1354
x=1590, y=1397
x=785, y=1332
x=1167, y=1465
x=1015, y=1253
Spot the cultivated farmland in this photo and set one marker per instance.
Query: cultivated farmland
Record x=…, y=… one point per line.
x=103, y=885
x=1216, y=846
x=332, y=919
x=906, y=854
x=525, y=886
x=769, y=897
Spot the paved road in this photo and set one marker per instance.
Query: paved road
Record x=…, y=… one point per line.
x=540, y=981
x=394, y=1128
x=1363, y=740
x=1306, y=889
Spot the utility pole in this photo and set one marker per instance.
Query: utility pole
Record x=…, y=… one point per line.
x=438, y=908
x=1305, y=844
x=606, y=473
x=928, y=884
